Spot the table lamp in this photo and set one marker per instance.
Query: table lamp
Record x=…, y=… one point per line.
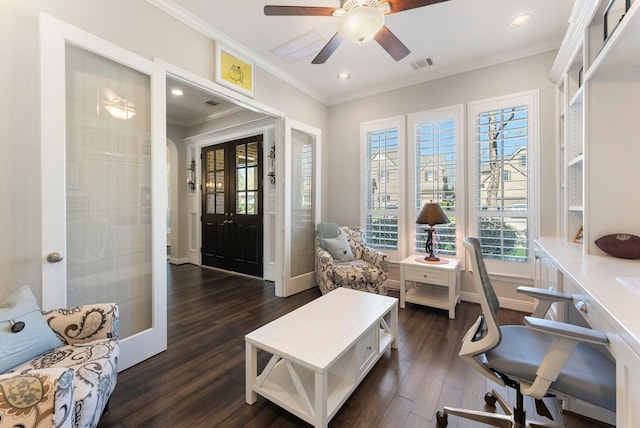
x=431, y=214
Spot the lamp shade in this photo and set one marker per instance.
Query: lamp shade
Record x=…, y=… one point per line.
x=432, y=214
x=361, y=23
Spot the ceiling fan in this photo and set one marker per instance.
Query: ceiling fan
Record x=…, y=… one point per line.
x=360, y=21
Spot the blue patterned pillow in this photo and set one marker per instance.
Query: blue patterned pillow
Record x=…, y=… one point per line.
x=35, y=338
x=339, y=249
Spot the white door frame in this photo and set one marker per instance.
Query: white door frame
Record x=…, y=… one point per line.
x=55, y=35
x=290, y=284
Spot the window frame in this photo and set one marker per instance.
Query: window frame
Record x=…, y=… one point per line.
x=413, y=120
x=475, y=108
x=398, y=122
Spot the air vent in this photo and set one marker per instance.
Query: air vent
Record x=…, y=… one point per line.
x=212, y=103
x=422, y=63
x=301, y=47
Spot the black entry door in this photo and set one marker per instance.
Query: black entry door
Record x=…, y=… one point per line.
x=232, y=206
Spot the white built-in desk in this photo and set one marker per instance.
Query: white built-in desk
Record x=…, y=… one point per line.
x=607, y=304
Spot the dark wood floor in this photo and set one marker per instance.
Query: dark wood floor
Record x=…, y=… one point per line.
x=199, y=380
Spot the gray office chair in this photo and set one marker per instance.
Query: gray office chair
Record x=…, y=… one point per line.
x=539, y=359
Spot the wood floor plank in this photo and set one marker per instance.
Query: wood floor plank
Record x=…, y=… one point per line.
x=199, y=380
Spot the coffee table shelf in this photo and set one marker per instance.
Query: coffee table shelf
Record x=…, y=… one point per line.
x=280, y=389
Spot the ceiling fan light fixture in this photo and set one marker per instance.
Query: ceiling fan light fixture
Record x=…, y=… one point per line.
x=361, y=23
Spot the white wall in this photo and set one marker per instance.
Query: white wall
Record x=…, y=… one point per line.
x=133, y=24
x=179, y=244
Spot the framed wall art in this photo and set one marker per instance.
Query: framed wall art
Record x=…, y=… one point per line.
x=234, y=72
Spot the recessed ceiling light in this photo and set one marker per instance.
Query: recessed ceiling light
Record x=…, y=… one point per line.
x=344, y=76
x=520, y=20
x=177, y=92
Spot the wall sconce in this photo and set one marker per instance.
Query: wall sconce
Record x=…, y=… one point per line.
x=272, y=173
x=191, y=176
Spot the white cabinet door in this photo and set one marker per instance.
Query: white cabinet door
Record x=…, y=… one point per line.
x=104, y=183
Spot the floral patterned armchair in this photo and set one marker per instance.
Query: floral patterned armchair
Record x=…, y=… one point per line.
x=367, y=271
x=70, y=385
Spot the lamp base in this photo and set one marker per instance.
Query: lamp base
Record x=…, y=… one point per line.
x=432, y=258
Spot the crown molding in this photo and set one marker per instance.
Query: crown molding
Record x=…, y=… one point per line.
x=230, y=132
x=582, y=13
x=182, y=15
x=450, y=71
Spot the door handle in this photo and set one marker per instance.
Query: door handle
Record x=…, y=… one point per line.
x=54, y=257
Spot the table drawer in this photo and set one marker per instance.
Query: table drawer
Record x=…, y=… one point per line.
x=421, y=274
x=366, y=349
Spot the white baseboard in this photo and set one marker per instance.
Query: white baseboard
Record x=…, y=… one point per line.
x=178, y=261
x=516, y=305
x=393, y=284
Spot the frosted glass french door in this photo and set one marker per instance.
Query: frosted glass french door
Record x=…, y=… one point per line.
x=301, y=207
x=104, y=184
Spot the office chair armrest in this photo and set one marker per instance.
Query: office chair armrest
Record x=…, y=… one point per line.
x=567, y=338
x=569, y=331
x=545, y=299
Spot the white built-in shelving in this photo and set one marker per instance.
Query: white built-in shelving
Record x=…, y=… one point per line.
x=598, y=83
x=598, y=118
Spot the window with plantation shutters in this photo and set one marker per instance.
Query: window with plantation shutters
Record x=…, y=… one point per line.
x=383, y=143
x=476, y=160
x=503, y=133
x=435, y=158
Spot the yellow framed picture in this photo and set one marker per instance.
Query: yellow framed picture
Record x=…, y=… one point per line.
x=233, y=71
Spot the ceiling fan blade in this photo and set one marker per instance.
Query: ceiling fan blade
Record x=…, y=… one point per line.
x=400, y=5
x=391, y=44
x=328, y=49
x=271, y=10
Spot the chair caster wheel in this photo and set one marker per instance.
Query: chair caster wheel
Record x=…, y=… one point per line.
x=442, y=419
x=490, y=399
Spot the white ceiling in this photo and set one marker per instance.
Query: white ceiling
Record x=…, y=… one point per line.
x=191, y=108
x=459, y=35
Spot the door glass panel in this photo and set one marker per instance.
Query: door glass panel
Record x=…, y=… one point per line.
x=252, y=206
x=252, y=154
x=108, y=187
x=241, y=203
x=241, y=156
x=247, y=178
x=302, y=202
x=252, y=178
x=209, y=183
x=219, y=181
x=219, y=203
x=241, y=179
x=219, y=159
x=211, y=203
x=210, y=161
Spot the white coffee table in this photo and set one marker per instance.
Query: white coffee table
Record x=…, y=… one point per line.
x=321, y=352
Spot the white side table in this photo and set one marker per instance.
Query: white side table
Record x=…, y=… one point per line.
x=434, y=284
